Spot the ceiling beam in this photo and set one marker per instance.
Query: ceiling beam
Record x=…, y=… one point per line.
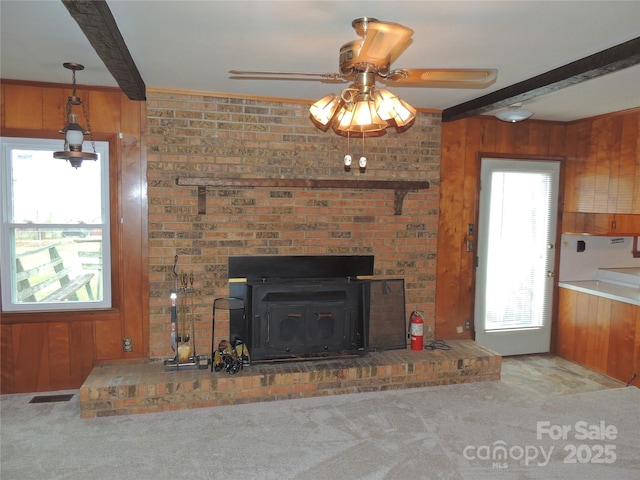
x=99, y=26
x=610, y=60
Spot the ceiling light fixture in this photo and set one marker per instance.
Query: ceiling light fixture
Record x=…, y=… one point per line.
x=362, y=108
x=515, y=113
x=73, y=132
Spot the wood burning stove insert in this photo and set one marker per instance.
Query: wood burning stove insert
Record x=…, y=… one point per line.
x=301, y=306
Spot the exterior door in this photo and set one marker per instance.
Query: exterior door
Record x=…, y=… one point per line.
x=516, y=254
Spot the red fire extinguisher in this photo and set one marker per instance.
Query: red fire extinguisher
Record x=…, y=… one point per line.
x=416, y=330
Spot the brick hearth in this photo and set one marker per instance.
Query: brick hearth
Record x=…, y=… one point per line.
x=128, y=388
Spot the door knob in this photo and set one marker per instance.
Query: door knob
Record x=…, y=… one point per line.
x=551, y=274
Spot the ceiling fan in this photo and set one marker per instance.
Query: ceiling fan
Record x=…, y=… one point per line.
x=367, y=59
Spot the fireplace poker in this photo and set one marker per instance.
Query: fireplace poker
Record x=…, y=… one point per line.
x=191, y=317
x=174, y=307
x=174, y=319
x=183, y=304
x=184, y=351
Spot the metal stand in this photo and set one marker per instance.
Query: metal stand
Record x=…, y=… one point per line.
x=223, y=303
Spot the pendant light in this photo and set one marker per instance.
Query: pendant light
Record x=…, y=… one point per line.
x=74, y=133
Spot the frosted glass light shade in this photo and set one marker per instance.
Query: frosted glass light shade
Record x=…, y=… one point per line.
x=74, y=135
x=513, y=115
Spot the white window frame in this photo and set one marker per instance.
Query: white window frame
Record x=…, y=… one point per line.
x=7, y=266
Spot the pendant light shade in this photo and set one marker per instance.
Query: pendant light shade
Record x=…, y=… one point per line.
x=390, y=107
x=324, y=109
x=365, y=118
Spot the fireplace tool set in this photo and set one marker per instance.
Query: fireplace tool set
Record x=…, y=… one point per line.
x=183, y=338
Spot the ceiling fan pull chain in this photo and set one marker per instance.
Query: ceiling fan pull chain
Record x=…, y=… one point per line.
x=347, y=157
x=363, y=159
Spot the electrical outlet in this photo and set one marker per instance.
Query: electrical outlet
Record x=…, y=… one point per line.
x=467, y=325
x=127, y=345
x=470, y=246
x=459, y=329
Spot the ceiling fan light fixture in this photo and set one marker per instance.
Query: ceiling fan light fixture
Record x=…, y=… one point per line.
x=514, y=114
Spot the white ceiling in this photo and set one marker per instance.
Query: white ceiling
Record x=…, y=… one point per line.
x=192, y=45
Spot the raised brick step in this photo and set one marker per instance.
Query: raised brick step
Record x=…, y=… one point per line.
x=128, y=388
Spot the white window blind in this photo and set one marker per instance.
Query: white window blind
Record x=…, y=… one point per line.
x=518, y=255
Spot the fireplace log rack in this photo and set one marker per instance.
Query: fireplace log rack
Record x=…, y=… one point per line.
x=400, y=187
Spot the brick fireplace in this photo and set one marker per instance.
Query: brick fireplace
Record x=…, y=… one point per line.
x=303, y=307
x=225, y=141
x=132, y=388
x=219, y=137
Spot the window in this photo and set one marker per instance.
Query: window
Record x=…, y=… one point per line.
x=54, y=238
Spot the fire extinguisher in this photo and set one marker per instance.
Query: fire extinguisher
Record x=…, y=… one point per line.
x=416, y=330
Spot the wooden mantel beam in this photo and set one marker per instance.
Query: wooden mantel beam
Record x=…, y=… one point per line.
x=400, y=187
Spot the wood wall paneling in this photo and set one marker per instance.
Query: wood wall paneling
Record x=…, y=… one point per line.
x=108, y=111
x=451, y=234
x=59, y=358
x=629, y=176
x=108, y=339
x=23, y=107
x=584, y=185
x=48, y=351
x=602, y=156
x=603, y=164
x=30, y=357
x=571, y=166
x=53, y=108
x=463, y=141
x=623, y=355
x=6, y=359
x=601, y=196
x=134, y=206
x=599, y=333
x=81, y=348
x=567, y=305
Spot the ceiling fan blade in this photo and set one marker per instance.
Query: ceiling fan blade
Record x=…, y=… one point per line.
x=327, y=76
x=446, y=77
x=384, y=42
